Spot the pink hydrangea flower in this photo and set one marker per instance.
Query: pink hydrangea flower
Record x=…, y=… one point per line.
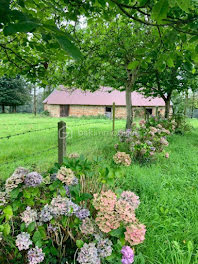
x=107, y=221
x=125, y=211
x=163, y=141
x=131, y=198
x=122, y=158
x=105, y=201
x=135, y=234
x=153, y=129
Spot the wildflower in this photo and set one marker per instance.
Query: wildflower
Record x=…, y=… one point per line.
x=29, y=216
x=87, y=226
x=135, y=234
x=35, y=255
x=46, y=214
x=159, y=126
x=66, y=175
x=131, y=198
x=88, y=254
x=17, y=178
x=152, y=153
x=167, y=155
x=82, y=213
x=125, y=211
x=104, y=248
x=122, y=158
x=127, y=255
x=23, y=241
x=33, y=179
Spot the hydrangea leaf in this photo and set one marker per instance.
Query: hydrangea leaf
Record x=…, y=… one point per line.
x=8, y=212
x=79, y=243
x=37, y=236
x=31, y=227
x=117, y=232
x=14, y=193
x=6, y=229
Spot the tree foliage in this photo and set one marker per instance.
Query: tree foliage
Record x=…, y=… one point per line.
x=13, y=91
x=36, y=33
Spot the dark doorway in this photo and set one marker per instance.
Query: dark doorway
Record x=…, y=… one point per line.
x=149, y=111
x=64, y=110
x=108, y=112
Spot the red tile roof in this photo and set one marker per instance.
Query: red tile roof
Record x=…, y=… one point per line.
x=100, y=97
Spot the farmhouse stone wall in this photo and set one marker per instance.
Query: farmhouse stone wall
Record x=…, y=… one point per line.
x=86, y=110
x=54, y=110
x=90, y=110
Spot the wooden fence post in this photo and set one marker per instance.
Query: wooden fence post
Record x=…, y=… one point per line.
x=113, y=118
x=61, y=141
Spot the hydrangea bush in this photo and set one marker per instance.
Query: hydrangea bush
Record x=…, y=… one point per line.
x=52, y=219
x=143, y=142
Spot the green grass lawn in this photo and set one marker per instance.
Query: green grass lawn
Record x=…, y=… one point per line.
x=168, y=189
x=86, y=136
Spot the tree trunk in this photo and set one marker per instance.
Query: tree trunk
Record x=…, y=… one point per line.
x=193, y=103
x=129, y=108
x=14, y=109
x=129, y=87
x=186, y=104
x=167, y=107
x=3, y=108
x=35, y=101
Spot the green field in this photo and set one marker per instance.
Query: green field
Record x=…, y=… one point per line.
x=168, y=189
x=86, y=136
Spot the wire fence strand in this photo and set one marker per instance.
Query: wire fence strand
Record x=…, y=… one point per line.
x=26, y=132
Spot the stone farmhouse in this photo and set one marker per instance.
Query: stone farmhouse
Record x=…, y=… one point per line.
x=64, y=102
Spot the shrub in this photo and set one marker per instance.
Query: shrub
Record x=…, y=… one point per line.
x=53, y=219
x=176, y=124
x=143, y=142
x=45, y=113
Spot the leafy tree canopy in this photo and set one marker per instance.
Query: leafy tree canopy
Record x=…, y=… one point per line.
x=13, y=91
x=36, y=33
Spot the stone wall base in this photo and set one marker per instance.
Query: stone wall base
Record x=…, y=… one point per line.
x=90, y=110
